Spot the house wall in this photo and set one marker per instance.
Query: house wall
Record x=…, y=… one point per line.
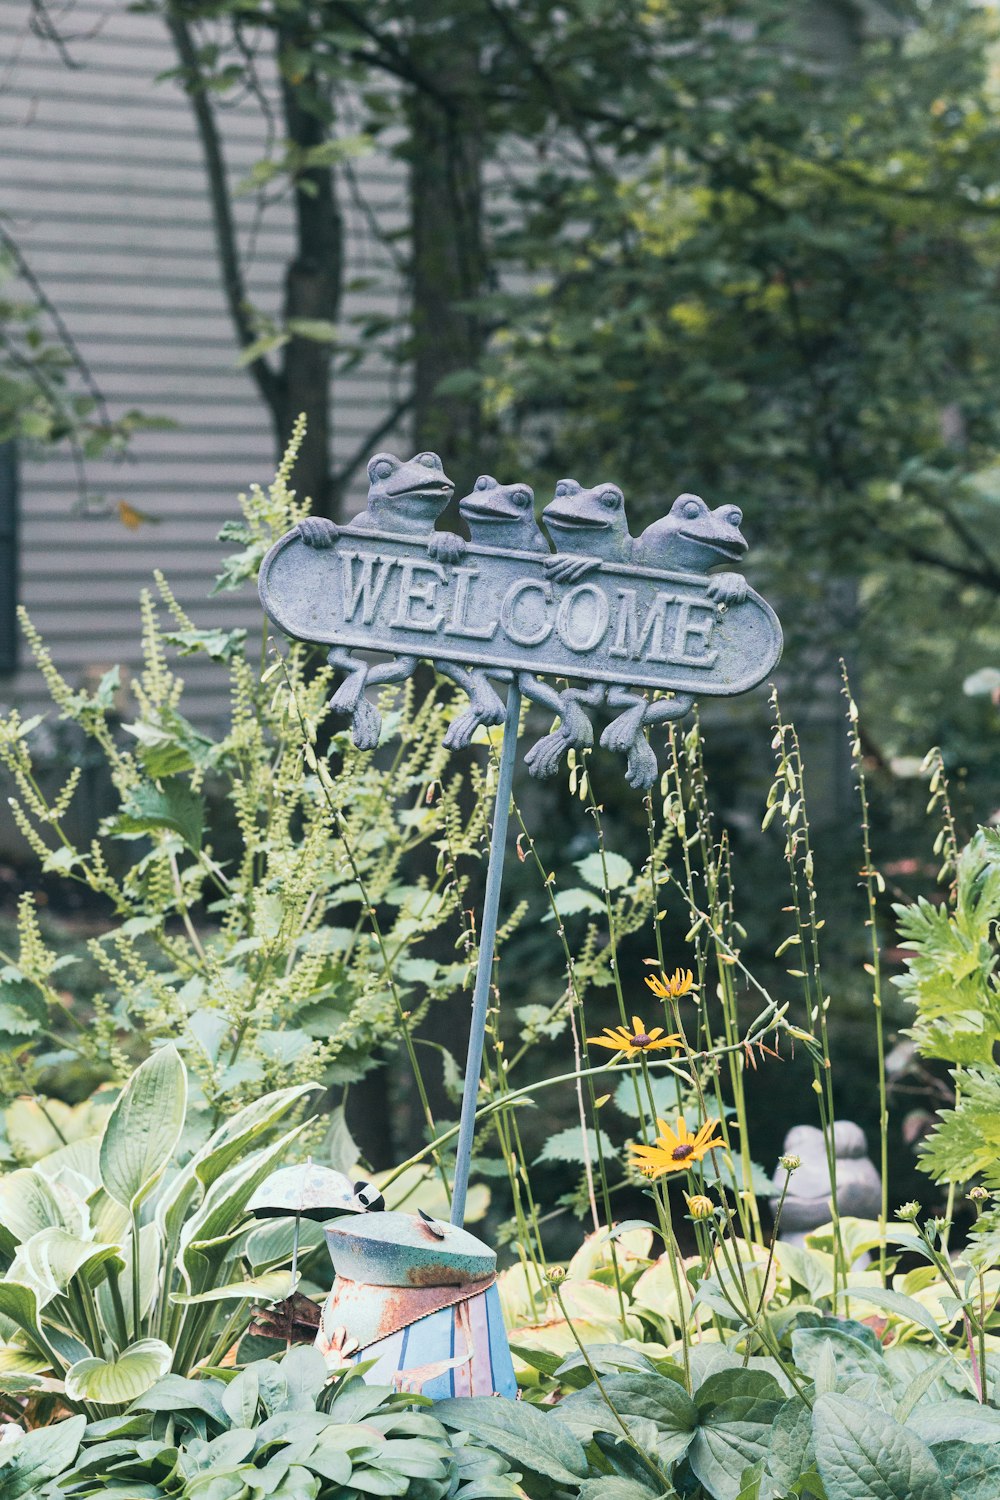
x=104, y=191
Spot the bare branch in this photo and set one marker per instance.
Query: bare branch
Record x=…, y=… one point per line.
x=370, y=442
x=268, y=383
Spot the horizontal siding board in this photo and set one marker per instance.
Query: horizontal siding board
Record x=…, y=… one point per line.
x=104, y=190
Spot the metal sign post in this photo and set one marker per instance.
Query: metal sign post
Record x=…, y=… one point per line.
x=620, y=615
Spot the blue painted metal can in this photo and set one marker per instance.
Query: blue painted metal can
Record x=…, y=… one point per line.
x=418, y=1298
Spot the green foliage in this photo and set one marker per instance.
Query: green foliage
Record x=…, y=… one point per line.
x=120, y=1262
x=277, y=1429
x=951, y=981
x=275, y=920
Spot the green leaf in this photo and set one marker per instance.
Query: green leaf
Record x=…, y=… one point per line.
x=652, y=1397
x=41, y=1455
x=114, y=1382
x=791, y=1451
x=958, y=1421
x=895, y=1302
x=567, y=1145
x=852, y=1359
x=172, y=806
x=273, y=1286
x=736, y=1411
x=570, y=903
x=144, y=1127
x=972, y=1470
x=864, y=1454
x=592, y=869
x=522, y=1434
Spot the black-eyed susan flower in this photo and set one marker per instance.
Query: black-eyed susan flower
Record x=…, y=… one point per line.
x=675, y=1150
x=620, y=1039
x=672, y=986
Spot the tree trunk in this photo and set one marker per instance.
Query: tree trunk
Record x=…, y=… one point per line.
x=313, y=286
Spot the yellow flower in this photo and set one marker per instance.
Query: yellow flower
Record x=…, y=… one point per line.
x=675, y=1150
x=672, y=986
x=620, y=1039
x=699, y=1207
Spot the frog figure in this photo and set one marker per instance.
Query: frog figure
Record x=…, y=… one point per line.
x=405, y=499
x=588, y=527
x=502, y=515
x=692, y=538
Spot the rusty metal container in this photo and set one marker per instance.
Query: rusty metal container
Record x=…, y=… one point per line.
x=418, y=1297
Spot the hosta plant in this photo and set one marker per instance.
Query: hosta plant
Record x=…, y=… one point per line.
x=278, y=1429
x=119, y=1263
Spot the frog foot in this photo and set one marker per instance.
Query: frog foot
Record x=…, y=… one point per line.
x=446, y=547
x=543, y=759
x=727, y=588
x=366, y=725
x=641, y=768
x=621, y=733
x=317, y=531
x=569, y=569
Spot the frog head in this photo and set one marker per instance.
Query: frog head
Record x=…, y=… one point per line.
x=407, y=496
x=502, y=515
x=693, y=537
x=591, y=522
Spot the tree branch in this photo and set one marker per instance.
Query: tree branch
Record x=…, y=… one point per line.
x=268, y=383
x=371, y=441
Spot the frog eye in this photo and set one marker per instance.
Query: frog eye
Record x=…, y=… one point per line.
x=429, y=460
x=566, y=487
x=382, y=470
x=734, y=515
x=612, y=498
x=521, y=497
x=484, y=482
x=692, y=509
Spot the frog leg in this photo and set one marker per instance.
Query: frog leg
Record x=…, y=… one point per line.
x=317, y=531
x=641, y=766
x=575, y=730
x=565, y=568
x=622, y=731
x=485, y=705
x=446, y=546
x=727, y=588
x=366, y=721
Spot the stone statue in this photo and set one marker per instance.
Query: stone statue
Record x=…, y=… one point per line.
x=808, y=1200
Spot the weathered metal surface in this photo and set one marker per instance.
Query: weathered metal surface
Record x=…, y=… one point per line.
x=500, y=610
x=400, y=1250
x=368, y=1313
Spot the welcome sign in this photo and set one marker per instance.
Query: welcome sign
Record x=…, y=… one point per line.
x=500, y=610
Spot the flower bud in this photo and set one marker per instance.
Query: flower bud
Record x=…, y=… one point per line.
x=908, y=1211
x=699, y=1207
x=790, y=1163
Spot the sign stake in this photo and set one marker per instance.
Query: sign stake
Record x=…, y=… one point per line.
x=487, y=938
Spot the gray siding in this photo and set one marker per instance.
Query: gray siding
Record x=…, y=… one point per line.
x=103, y=189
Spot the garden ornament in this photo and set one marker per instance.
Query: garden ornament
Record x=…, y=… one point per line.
x=310, y=1191
x=808, y=1202
x=418, y=1297
x=623, y=616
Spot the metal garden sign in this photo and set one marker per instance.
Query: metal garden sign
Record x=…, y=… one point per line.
x=610, y=616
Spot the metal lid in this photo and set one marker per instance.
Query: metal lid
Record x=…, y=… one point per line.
x=306, y=1189
x=407, y=1250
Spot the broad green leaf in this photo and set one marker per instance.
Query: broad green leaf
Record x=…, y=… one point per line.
x=29, y=1202
x=114, y=1382
x=273, y=1286
x=971, y=1469
x=958, y=1421
x=653, y=1397
x=178, y=1394
x=608, y=1487
x=21, y=1304
x=895, y=1302
x=527, y=1437
x=41, y=1455
x=790, y=1452
x=864, y=1454
x=172, y=806
x=853, y=1360
x=228, y=1145
x=736, y=1411
x=144, y=1128
x=241, y=1398
x=568, y=1145
x=614, y=872
x=55, y=1257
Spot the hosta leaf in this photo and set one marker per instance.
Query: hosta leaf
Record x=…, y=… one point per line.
x=41, y=1455
x=113, y=1382
x=144, y=1128
x=29, y=1202
x=863, y=1454
x=273, y=1286
x=55, y=1257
